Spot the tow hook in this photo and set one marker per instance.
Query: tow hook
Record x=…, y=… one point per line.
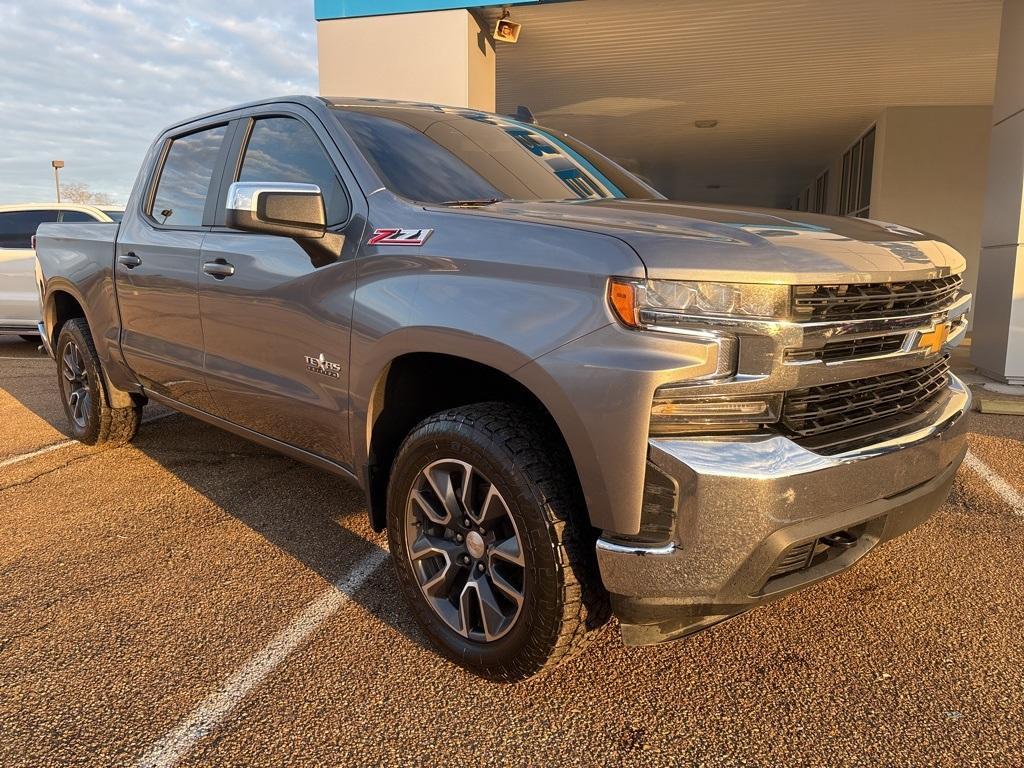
x=839, y=540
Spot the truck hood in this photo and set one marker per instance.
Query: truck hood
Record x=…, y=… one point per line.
x=753, y=245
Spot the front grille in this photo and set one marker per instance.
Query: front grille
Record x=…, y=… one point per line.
x=869, y=300
x=851, y=349
x=814, y=411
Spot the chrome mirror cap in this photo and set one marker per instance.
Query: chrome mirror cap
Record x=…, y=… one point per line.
x=275, y=208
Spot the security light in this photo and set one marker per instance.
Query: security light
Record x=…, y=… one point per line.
x=506, y=30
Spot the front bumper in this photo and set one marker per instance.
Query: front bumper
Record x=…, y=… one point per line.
x=758, y=518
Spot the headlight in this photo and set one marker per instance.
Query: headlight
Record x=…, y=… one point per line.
x=664, y=303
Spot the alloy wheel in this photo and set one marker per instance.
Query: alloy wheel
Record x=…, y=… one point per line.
x=465, y=550
x=76, y=385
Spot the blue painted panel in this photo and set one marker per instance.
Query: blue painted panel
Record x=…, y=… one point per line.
x=346, y=9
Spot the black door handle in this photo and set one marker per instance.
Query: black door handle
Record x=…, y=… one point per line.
x=219, y=269
x=129, y=259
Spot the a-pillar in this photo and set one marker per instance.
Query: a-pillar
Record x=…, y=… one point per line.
x=997, y=347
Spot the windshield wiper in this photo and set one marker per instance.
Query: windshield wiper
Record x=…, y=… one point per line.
x=469, y=203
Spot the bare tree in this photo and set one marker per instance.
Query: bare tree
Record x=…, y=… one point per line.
x=78, y=192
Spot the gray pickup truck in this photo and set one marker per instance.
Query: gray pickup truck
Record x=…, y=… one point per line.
x=564, y=396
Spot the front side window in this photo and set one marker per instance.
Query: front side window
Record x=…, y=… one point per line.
x=445, y=155
x=17, y=227
x=185, y=178
x=285, y=150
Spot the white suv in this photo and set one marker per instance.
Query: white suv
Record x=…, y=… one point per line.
x=19, y=299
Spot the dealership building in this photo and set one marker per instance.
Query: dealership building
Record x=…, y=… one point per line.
x=908, y=111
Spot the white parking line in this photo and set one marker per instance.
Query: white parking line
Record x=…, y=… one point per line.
x=1008, y=493
x=64, y=443
x=215, y=707
x=26, y=456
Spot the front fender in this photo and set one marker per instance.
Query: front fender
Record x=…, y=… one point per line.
x=367, y=378
x=599, y=390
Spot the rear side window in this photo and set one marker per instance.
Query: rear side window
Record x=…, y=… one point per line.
x=185, y=178
x=283, y=149
x=17, y=227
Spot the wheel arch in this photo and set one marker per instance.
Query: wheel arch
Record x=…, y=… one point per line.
x=62, y=304
x=415, y=385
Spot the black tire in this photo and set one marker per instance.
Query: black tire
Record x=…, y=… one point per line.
x=31, y=338
x=92, y=419
x=562, y=600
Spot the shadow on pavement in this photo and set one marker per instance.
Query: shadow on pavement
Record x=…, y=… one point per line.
x=30, y=378
x=316, y=518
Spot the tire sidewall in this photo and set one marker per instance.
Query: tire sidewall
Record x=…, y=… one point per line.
x=72, y=332
x=528, y=643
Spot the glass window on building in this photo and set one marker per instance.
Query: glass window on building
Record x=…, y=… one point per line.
x=858, y=164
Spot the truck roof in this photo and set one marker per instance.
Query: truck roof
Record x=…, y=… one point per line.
x=318, y=101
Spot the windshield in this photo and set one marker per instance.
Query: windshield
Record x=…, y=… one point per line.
x=115, y=215
x=447, y=155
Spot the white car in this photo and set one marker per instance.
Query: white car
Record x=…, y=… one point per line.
x=19, y=300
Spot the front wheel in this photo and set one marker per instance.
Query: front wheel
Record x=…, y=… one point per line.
x=91, y=417
x=489, y=537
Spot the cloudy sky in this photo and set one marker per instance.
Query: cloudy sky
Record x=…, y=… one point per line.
x=92, y=83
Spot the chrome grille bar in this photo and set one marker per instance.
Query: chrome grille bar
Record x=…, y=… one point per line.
x=867, y=300
x=817, y=410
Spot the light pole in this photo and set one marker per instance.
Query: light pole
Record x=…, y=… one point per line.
x=57, y=165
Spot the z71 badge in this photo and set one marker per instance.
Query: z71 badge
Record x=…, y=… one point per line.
x=387, y=236
x=323, y=366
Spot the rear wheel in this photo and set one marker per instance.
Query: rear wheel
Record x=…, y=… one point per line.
x=92, y=419
x=489, y=537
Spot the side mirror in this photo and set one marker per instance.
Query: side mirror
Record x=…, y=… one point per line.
x=290, y=210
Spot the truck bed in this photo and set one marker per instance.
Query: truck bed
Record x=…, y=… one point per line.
x=77, y=259
x=65, y=248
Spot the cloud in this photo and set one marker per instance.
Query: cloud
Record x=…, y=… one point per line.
x=93, y=82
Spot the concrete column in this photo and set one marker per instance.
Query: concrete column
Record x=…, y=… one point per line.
x=998, y=337
x=443, y=57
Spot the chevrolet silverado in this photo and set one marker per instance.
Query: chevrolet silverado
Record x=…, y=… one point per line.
x=564, y=396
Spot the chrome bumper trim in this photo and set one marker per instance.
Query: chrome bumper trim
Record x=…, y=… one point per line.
x=739, y=493
x=636, y=549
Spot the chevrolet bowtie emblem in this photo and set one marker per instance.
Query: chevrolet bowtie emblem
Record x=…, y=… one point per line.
x=934, y=339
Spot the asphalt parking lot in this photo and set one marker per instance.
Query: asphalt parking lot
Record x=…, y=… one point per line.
x=193, y=599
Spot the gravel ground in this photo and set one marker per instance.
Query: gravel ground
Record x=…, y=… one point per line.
x=137, y=586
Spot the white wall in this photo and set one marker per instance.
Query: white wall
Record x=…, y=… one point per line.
x=441, y=57
x=930, y=173
x=998, y=347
